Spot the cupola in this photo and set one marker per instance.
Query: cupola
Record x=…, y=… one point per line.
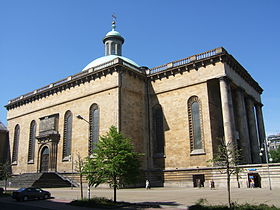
x=113, y=49
x=113, y=42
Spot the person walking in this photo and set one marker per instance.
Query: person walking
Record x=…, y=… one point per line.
x=212, y=184
x=147, y=184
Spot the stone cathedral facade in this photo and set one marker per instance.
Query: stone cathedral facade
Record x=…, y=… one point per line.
x=174, y=113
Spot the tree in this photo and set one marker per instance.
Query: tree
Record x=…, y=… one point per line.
x=5, y=173
x=227, y=158
x=79, y=168
x=275, y=155
x=114, y=161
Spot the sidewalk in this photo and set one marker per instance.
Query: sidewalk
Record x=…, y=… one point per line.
x=170, y=198
x=177, y=197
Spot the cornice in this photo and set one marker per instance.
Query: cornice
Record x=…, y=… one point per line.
x=239, y=69
x=210, y=57
x=186, y=64
x=117, y=65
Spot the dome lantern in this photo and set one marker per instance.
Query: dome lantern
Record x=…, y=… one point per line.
x=113, y=42
x=113, y=49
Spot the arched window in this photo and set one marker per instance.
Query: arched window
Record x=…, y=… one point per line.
x=67, y=135
x=119, y=52
x=107, y=49
x=195, y=124
x=31, y=146
x=158, y=134
x=94, y=127
x=113, y=48
x=15, y=146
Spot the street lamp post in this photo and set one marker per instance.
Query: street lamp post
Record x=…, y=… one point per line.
x=265, y=150
x=81, y=118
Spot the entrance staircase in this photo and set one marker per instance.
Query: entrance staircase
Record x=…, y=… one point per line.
x=43, y=180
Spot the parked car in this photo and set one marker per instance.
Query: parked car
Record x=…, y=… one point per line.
x=24, y=194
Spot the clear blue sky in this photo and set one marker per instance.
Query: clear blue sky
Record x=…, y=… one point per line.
x=43, y=41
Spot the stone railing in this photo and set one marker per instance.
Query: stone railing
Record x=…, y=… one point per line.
x=197, y=57
x=76, y=76
x=120, y=61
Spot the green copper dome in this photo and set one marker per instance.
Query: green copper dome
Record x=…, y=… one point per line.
x=108, y=58
x=113, y=42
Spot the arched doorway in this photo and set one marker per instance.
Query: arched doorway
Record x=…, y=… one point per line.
x=45, y=153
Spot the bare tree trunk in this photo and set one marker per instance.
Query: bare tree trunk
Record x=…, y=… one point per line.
x=115, y=189
x=237, y=177
x=80, y=171
x=81, y=186
x=228, y=186
x=115, y=193
x=5, y=182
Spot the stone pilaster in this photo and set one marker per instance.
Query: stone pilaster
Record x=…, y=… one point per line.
x=254, y=142
x=242, y=126
x=227, y=111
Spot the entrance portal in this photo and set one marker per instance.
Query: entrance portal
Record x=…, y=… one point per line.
x=45, y=159
x=254, y=180
x=198, y=180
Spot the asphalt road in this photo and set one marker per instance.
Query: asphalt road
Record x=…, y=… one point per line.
x=7, y=203
x=16, y=206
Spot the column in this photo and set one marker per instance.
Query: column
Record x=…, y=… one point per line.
x=255, y=150
x=261, y=129
x=242, y=126
x=227, y=110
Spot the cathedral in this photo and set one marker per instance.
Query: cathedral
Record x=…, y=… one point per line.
x=174, y=113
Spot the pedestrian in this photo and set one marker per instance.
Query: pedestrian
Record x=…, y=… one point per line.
x=147, y=184
x=212, y=184
x=252, y=183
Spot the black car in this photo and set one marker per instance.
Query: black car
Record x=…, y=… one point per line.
x=24, y=194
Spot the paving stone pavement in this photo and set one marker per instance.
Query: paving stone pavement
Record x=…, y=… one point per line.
x=173, y=198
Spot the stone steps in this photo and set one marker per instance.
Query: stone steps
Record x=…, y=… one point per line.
x=44, y=180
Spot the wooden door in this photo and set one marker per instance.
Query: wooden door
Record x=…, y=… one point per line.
x=45, y=159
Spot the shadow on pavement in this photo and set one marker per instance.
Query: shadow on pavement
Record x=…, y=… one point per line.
x=160, y=203
x=126, y=205
x=9, y=203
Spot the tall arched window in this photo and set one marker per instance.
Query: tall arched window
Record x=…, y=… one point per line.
x=67, y=135
x=113, y=48
x=158, y=134
x=15, y=145
x=32, y=139
x=119, y=51
x=107, y=49
x=195, y=124
x=94, y=127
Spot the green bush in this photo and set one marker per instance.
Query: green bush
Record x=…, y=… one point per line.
x=107, y=203
x=201, y=206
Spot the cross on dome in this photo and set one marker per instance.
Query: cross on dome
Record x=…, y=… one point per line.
x=114, y=22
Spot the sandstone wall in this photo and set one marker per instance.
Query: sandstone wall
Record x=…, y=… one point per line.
x=173, y=93
x=78, y=100
x=134, y=112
